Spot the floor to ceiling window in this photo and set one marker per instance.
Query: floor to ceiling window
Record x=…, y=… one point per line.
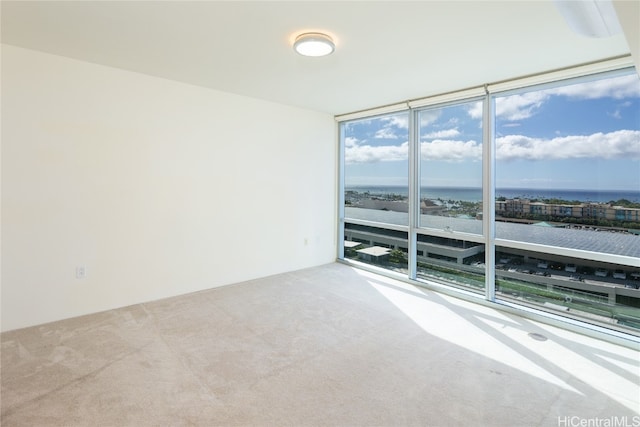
x=567, y=186
x=528, y=195
x=449, y=240
x=376, y=179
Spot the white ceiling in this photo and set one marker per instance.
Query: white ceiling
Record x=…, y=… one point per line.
x=386, y=52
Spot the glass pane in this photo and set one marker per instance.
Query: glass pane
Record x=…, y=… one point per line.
x=452, y=261
x=451, y=167
x=377, y=169
x=594, y=292
x=568, y=176
x=377, y=246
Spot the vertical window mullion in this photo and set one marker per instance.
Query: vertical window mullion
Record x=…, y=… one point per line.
x=341, y=180
x=414, y=193
x=488, y=194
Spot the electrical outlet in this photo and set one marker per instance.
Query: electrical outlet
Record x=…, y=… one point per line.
x=81, y=272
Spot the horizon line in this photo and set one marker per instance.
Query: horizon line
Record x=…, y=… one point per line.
x=498, y=188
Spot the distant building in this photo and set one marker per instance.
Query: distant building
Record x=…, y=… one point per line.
x=376, y=254
x=601, y=211
x=426, y=206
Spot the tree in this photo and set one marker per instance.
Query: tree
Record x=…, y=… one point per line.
x=397, y=256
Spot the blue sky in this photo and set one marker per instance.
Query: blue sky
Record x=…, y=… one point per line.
x=583, y=136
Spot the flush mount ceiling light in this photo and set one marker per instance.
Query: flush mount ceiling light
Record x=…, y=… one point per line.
x=314, y=44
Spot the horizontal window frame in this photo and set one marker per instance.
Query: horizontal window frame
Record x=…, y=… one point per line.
x=376, y=224
x=458, y=235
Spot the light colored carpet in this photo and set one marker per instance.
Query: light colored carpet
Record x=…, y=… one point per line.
x=326, y=346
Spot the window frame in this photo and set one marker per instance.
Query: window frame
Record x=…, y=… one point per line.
x=487, y=94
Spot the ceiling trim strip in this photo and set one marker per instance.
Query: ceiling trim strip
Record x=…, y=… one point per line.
x=448, y=97
x=392, y=108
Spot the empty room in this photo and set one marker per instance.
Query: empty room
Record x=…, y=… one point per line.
x=320, y=213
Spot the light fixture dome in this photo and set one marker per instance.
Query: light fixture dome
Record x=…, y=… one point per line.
x=314, y=44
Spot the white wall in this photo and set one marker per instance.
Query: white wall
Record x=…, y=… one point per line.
x=157, y=187
x=629, y=15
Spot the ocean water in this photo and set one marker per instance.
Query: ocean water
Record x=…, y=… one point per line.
x=475, y=194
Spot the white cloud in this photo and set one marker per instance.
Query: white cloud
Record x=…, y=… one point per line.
x=525, y=105
x=617, y=88
x=386, y=133
x=429, y=116
x=621, y=109
x=447, y=133
x=518, y=107
x=438, y=150
x=614, y=145
x=475, y=111
x=350, y=141
x=616, y=114
x=391, y=125
x=451, y=151
x=398, y=121
x=371, y=154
